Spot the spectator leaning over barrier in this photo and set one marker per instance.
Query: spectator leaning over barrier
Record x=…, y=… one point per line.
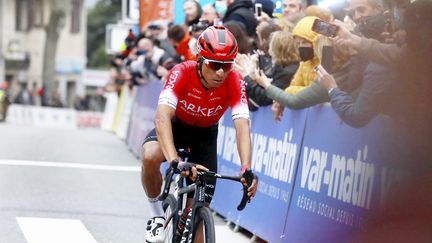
x=412, y=59
x=406, y=215
x=379, y=86
x=190, y=105
x=313, y=94
x=293, y=10
x=242, y=12
x=309, y=51
x=179, y=38
x=285, y=63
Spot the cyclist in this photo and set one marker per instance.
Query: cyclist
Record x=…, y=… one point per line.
x=194, y=98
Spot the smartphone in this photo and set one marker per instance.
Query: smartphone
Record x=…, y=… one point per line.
x=325, y=28
x=258, y=9
x=327, y=58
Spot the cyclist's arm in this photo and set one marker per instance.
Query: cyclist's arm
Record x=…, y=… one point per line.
x=164, y=114
x=242, y=128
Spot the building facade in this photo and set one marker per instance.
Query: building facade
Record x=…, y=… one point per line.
x=22, y=45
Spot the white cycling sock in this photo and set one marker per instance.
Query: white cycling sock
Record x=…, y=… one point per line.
x=155, y=208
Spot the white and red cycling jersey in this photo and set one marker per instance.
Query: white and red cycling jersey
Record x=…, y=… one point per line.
x=198, y=106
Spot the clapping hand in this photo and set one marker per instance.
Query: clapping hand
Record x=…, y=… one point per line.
x=244, y=64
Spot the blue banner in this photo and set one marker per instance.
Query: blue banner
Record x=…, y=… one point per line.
x=340, y=178
x=276, y=148
x=142, y=116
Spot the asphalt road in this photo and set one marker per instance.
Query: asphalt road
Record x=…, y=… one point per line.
x=78, y=186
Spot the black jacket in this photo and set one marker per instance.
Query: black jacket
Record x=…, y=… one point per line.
x=256, y=94
x=242, y=11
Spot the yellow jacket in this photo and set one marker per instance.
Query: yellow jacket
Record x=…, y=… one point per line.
x=305, y=73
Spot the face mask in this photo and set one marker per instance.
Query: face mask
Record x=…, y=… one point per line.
x=141, y=52
x=372, y=26
x=221, y=8
x=306, y=53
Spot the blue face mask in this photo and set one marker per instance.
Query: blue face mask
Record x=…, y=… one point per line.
x=141, y=52
x=221, y=7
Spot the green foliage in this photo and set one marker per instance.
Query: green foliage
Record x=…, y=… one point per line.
x=100, y=59
x=103, y=13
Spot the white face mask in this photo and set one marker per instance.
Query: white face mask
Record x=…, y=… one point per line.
x=221, y=7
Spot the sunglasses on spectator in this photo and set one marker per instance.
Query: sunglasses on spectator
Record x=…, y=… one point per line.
x=216, y=65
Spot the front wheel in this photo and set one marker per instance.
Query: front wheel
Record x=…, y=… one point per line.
x=204, y=226
x=170, y=207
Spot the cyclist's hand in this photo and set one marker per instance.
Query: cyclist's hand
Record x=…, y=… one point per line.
x=253, y=188
x=191, y=170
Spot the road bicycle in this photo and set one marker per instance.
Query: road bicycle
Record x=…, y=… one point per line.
x=198, y=216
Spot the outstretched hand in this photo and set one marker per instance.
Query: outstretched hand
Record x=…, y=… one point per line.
x=244, y=64
x=260, y=78
x=325, y=79
x=277, y=109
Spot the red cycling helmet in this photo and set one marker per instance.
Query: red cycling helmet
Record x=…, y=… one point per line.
x=217, y=43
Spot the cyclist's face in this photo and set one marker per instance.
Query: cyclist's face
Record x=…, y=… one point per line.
x=214, y=77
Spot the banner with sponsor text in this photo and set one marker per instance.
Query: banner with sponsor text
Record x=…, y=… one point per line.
x=276, y=148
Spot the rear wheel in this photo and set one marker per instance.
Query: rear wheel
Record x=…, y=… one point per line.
x=169, y=206
x=204, y=226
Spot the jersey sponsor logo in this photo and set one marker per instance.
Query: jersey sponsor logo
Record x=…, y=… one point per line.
x=197, y=90
x=199, y=110
x=172, y=79
x=194, y=95
x=243, y=97
x=215, y=98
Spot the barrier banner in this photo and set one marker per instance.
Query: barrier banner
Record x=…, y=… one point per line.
x=275, y=152
x=142, y=115
x=109, y=112
x=341, y=177
x=124, y=112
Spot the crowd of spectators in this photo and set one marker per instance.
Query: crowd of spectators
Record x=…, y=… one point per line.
x=377, y=64
x=280, y=57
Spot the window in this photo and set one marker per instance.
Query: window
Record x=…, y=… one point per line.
x=38, y=13
x=76, y=16
x=22, y=17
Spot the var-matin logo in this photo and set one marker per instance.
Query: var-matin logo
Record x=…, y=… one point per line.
x=349, y=180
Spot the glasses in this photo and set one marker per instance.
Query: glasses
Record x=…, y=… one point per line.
x=216, y=65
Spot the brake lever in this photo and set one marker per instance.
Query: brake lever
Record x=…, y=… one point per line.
x=249, y=177
x=167, y=180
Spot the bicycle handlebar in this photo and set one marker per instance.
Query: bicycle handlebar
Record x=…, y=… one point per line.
x=176, y=168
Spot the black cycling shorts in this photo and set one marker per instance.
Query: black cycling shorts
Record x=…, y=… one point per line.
x=202, y=143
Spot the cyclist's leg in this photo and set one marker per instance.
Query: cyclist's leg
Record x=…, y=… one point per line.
x=151, y=178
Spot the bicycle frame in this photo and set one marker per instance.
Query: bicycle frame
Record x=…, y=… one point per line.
x=198, y=201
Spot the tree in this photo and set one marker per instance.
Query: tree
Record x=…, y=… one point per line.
x=58, y=10
x=105, y=12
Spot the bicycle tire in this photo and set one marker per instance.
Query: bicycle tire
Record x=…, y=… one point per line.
x=169, y=206
x=205, y=215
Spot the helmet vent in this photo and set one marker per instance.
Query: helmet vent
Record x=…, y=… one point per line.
x=221, y=37
x=207, y=40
